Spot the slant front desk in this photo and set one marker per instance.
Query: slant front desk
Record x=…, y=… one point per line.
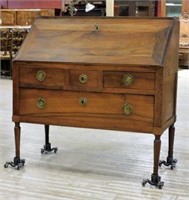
x=103, y=73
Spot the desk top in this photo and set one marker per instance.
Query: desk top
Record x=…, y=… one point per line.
x=100, y=40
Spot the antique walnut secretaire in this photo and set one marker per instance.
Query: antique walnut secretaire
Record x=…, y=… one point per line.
x=105, y=73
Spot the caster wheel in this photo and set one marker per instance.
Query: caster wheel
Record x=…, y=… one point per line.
x=6, y=165
x=17, y=167
x=160, y=185
x=42, y=151
x=160, y=163
x=23, y=162
x=172, y=167
x=143, y=183
x=55, y=149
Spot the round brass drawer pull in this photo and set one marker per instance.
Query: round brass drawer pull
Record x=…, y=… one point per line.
x=83, y=101
x=41, y=103
x=127, y=109
x=40, y=75
x=83, y=78
x=128, y=79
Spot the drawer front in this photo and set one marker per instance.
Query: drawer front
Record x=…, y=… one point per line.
x=42, y=78
x=135, y=107
x=83, y=78
x=132, y=80
x=26, y=17
x=8, y=17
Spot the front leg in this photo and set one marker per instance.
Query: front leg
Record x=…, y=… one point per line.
x=170, y=161
x=155, y=178
x=47, y=147
x=17, y=163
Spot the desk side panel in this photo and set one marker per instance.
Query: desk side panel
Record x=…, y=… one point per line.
x=170, y=75
x=15, y=77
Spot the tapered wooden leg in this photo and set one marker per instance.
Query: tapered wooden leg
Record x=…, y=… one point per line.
x=157, y=147
x=17, y=163
x=155, y=178
x=17, y=133
x=170, y=161
x=47, y=147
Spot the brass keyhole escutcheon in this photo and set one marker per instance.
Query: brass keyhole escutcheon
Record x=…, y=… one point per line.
x=128, y=79
x=127, y=109
x=97, y=28
x=83, y=78
x=83, y=101
x=40, y=75
x=41, y=103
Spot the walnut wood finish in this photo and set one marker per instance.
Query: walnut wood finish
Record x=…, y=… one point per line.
x=122, y=76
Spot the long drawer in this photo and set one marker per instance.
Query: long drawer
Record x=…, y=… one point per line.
x=135, y=107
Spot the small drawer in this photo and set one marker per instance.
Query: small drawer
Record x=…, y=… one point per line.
x=132, y=80
x=83, y=78
x=42, y=78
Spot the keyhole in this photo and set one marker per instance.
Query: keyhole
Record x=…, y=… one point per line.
x=97, y=27
x=83, y=78
x=83, y=101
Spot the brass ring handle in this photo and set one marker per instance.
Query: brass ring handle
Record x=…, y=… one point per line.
x=127, y=109
x=40, y=75
x=128, y=79
x=41, y=103
x=83, y=101
x=83, y=78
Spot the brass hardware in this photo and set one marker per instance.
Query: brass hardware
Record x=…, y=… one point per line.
x=83, y=101
x=97, y=28
x=128, y=79
x=41, y=103
x=83, y=78
x=127, y=108
x=40, y=75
